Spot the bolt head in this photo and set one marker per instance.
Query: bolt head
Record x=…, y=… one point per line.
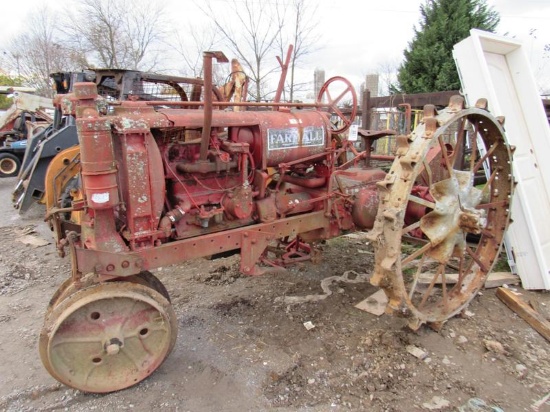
x=112, y=349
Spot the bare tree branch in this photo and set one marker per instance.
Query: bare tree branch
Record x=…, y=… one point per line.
x=190, y=46
x=118, y=34
x=37, y=53
x=250, y=32
x=302, y=33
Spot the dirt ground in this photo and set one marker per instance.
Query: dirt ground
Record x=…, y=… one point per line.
x=241, y=348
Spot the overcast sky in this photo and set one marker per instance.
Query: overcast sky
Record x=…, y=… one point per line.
x=358, y=36
x=362, y=35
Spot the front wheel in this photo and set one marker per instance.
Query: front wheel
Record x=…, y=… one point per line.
x=9, y=165
x=444, y=209
x=108, y=336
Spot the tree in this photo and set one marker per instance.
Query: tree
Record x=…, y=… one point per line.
x=250, y=29
x=257, y=31
x=387, y=70
x=428, y=64
x=189, y=47
x=38, y=52
x=120, y=34
x=302, y=35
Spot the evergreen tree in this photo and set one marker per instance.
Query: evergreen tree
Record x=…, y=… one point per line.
x=429, y=64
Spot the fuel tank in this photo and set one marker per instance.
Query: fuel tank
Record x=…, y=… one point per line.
x=282, y=137
x=274, y=137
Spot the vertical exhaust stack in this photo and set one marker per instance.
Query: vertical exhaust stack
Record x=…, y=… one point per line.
x=207, y=125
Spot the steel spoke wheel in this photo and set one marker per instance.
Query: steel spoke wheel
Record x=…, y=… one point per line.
x=336, y=95
x=108, y=336
x=448, y=191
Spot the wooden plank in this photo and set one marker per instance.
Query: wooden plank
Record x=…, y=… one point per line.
x=533, y=318
x=426, y=278
x=494, y=280
x=498, y=279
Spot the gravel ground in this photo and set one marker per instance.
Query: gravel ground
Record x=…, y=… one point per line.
x=240, y=348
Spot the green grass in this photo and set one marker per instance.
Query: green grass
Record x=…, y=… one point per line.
x=501, y=265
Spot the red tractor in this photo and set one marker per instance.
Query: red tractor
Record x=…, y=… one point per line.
x=161, y=183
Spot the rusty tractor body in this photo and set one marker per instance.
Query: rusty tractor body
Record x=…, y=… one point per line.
x=161, y=185
x=112, y=85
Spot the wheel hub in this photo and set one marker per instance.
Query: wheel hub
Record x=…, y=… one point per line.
x=7, y=166
x=454, y=215
x=472, y=221
x=113, y=346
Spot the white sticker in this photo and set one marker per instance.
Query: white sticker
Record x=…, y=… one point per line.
x=100, y=197
x=353, y=133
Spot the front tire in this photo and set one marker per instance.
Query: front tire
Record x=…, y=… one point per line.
x=9, y=165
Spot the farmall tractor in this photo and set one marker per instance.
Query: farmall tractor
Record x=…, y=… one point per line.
x=159, y=185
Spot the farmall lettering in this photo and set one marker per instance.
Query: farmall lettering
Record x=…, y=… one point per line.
x=293, y=137
x=266, y=184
